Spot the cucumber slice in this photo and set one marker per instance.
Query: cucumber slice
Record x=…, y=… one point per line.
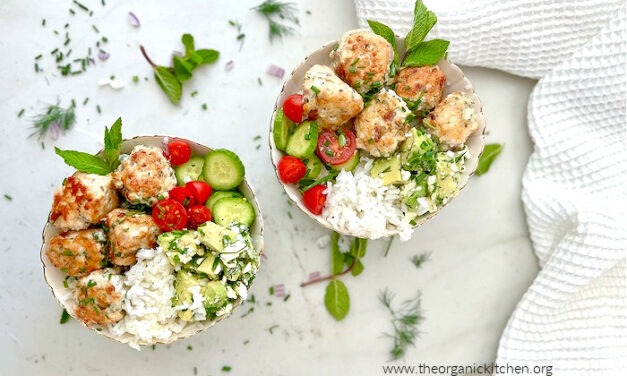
x=223, y=170
x=227, y=211
x=303, y=142
x=218, y=195
x=190, y=170
x=281, y=130
x=349, y=165
x=314, y=167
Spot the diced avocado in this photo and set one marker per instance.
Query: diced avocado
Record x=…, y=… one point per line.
x=418, y=152
x=184, y=281
x=446, y=178
x=420, y=191
x=214, y=236
x=388, y=169
x=207, y=267
x=179, y=246
x=215, y=294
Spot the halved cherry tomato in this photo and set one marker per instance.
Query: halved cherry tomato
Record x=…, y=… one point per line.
x=336, y=147
x=182, y=195
x=293, y=108
x=169, y=215
x=314, y=198
x=179, y=152
x=200, y=190
x=197, y=215
x=291, y=169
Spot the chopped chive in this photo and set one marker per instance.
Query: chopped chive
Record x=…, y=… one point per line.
x=135, y=79
x=85, y=101
x=189, y=347
x=72, y=12
x=54, y=51
x=66, y=25
x=105, y=39
x=226, y=368
x=286, y=296
x=95, y=28
x=36, y=67
x=19, y=114
x=204, y=106
x=153, y=347
x=43, y=22
x=103, y=2
x=194, y=93
x=9, y=198
x=81, y=6
x=257, y=138
x=315, y=89
x=259, y=81
x=98, y=108
x=55, y=32
x=271, y=290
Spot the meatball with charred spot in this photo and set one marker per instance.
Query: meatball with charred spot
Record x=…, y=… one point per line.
x=99, y=297
x=453, y=120
x=78, y=253
x=129, y=231
x=420, y=83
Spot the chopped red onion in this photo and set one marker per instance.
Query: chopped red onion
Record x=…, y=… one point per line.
x=103, y=55
x=229, y=65
x=276, y=71
x=91, y=60
x=132, y=18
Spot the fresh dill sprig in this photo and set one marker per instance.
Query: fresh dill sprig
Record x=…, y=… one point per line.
x=55, y=119
x=271, y=9
x=418, y=260
x=405, y=320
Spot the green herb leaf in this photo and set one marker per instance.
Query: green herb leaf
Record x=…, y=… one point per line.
x=357, y=268
x=426, y=53
x=182, y=69
x=65, y=317
x=424, y=20
x=188, y=42
x=490, y=152
x=337, y=258
x=387, y=34
x=168, y=83
x=84, y=162
x=337, y=300
x=208, y=56
x=113, y=143
x=405, y=321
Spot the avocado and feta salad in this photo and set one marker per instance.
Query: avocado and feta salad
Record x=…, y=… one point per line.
x=156, y=245
x=373, y=144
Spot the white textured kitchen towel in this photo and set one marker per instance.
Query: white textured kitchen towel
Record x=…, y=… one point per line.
x=574, y=316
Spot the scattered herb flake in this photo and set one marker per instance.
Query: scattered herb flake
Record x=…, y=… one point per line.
x=418, y=260
x=65, y=317
x=271, y=329
x=19, y=114
x=271, y=10
x=226, y=368
x=8, y=198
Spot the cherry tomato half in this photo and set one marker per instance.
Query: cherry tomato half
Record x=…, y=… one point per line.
x=293, y=108
x=336, y=147
x=197, y=215
x=182, y=195
x=314, y=198
x=200, y=190
x=179, y=152
x=169, y=215
x=291, y=169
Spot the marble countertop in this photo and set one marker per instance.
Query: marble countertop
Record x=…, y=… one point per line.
x=481, y=257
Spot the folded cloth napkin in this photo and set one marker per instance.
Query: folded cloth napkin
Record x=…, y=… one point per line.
x=574, y=315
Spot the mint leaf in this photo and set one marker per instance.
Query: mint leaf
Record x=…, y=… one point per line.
x=182, y=69
x=188, y=42
x=208, y=56
x=337, y=300
x=424, y=20
x=169, y=83
x=426, y=53
x=358, y=268
x=387, y=34
x=84, y=162
x=490, y=152
x=113, y=143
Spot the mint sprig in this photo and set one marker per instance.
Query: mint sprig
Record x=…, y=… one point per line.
x=93, y=164
x=171, y=78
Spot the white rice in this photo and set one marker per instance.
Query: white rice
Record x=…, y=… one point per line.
x=148, y=299
x=363, y=206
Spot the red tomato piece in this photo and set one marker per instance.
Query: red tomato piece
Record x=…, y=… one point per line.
x=291, y=169
x=197, y=215
x=169, y=215
x=293, y=108
x=179, y=152
x=182, y=195
x=336, y=147
x=314, y=198
x=200, y=190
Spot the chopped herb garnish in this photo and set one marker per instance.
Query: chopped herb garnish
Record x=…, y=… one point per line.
x=315, y=89
x=418, y=260
x=65, y=317
x=271, y=329
x=19, y=114
x=135, y=79
x=404, y=321
x=271, y=9
x=226, y=368
x=204, y=106
x=55, y=119
x=259, y=81
x=8, y=198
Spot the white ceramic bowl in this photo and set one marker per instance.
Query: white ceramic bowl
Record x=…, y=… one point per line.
x=55, y=277
x=455, y=80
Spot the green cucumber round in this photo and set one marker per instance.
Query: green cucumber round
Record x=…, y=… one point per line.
x=190, y=170
x=281, y=130
x=227, y=211
x=349, y=165
x=223, y=170
x=218, y=195
x=302, y=143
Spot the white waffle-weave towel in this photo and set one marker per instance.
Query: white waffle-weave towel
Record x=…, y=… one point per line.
x=574, y=316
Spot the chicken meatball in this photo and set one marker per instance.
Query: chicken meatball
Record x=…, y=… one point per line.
x=330, y=100
x=145, y=176
x=129, y=231
x=453, y=120
x=382, y=125
x=82, y=201
x=362, y=59
x=99, y=297
x=78, y=253
x=424, y=83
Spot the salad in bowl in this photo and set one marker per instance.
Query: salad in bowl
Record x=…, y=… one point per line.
x=371, y=145
x=152, y=240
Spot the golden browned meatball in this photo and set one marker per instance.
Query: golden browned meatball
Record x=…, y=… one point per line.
x=129, y=231
x=78, y=253
x=144, y=176
x=453, y=120
x=331, y=100
x=424, y=83
x=82, y=201
x=99, y=297
x=362, y=59
x=382, y=125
